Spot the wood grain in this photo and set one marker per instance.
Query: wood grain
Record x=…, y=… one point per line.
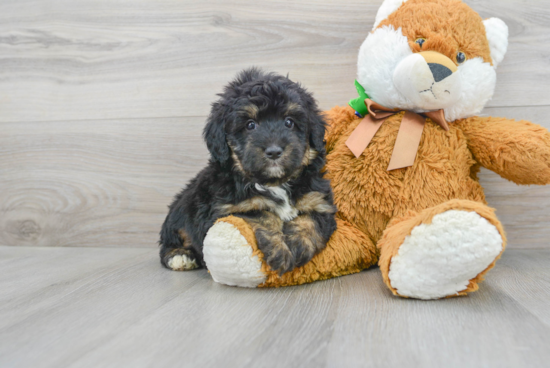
x=110, y=59
x=94, y=183
x=107, y=183
x=79, y=307
x=102, y=103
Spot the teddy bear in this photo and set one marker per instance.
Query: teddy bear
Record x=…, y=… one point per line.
x=403, y=159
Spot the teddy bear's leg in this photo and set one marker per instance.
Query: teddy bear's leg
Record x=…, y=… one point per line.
x=233, y=258
x=442, y=251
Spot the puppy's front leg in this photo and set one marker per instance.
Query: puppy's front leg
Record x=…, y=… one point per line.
x=271, y=241
x=307, y=235
x=176, y=249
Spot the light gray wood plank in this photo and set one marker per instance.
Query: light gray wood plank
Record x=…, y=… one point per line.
x=94, y=183
x=106, y=59
x=526, y=281
x=125, y=310
x=50, y=275
x=489, y=328
x=107, y=183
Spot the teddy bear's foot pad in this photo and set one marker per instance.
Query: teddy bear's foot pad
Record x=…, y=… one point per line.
x=229, y=257
x=439, y=259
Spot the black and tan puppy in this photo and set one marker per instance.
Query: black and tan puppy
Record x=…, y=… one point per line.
x=265, y=135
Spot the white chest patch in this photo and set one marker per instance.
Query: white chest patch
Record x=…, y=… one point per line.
x=285, y=211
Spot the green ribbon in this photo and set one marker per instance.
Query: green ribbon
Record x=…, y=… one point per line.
x=358, y=104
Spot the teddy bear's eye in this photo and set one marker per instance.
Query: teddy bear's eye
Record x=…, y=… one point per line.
x=420, y=41
x=460, y=57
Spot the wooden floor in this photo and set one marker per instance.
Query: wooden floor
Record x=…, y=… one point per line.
x=86, y=307
x=102, y=103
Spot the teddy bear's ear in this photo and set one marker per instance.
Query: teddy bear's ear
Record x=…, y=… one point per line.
x=387, y=7
x=497, y=35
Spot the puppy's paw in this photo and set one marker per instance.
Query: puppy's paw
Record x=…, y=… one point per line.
x=280, y=260
x=276, y=253
x=303, y=239
x=180, y=260
x=303, y=253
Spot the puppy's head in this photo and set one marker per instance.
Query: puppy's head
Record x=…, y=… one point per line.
x=267, y=127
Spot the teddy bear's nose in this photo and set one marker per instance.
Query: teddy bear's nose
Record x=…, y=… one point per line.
x=439, y=71
x=440, y=65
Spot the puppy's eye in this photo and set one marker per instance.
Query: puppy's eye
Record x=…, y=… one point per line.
x=289, y=123
x=250, y=125
x=460, y=57
x=420, y=41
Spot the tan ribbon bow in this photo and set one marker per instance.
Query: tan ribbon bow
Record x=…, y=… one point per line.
x=408, y=137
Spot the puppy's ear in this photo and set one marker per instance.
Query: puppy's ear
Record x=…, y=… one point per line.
x=317, y=123
x=317, y=132
x=214, y=133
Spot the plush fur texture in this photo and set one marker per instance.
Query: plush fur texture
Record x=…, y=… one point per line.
x=463, y=254
x=453, y=249
x=348, y=251
x=452, y=27
x=497, y=35
x=387, y=8
x=230, y=260
x=415, y=218
x=265, y=136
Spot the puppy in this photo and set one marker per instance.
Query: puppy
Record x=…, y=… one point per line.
x=265, y=136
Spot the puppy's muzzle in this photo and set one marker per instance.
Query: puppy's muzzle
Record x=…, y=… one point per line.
x=273, y=152
x=429, y=79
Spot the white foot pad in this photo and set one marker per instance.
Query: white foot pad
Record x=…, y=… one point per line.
x=439, y=259
x=229, y=257
x=182, y=263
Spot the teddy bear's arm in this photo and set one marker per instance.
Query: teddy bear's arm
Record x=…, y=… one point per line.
x=516, y=150
x=338, y=118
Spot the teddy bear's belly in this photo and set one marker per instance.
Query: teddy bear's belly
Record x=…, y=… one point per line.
x=369, y=196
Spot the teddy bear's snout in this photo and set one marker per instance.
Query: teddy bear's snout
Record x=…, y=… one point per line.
x=439, y=71
x=440, y=65
x=428, y=79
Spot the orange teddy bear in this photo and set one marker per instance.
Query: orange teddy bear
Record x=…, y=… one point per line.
x=405, y=175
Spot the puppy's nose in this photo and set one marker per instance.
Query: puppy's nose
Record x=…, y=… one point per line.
x=439, y=71
x=273, y=152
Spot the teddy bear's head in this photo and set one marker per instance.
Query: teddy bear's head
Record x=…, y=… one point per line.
x=425, y=55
